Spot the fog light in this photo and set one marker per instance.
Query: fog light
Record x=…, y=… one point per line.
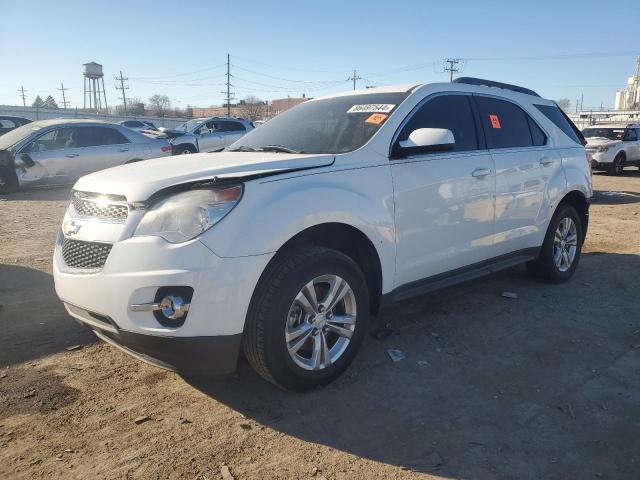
x=174, y=307
x=170, y=306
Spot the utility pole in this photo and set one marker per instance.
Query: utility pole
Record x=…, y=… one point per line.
x=228, y=83
x=65, y=104
x=122, y=79
x=354, y=78
x=451, y=68
x=24, y=97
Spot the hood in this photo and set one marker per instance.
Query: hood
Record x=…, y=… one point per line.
x=598, y=141
x=138, y=181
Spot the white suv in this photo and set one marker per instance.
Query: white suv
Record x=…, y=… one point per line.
x=613, y=147
x=284, y=244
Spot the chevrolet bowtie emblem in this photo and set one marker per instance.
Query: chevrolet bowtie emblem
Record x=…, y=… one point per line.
x=70, y=227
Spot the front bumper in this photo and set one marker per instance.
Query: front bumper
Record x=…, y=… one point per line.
x=195, y=356
x=209, y=340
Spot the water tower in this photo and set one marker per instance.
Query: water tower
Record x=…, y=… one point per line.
x=93, y=76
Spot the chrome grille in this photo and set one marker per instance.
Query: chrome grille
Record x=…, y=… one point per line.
x=81, y=254
x=109, y=211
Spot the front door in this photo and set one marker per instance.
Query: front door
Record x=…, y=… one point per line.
x=55, y=156
x=444, y=205
x=210, y=137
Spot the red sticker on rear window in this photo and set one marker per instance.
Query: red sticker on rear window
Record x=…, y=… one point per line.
x=495, y=121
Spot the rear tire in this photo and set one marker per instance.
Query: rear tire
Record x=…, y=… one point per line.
x=617, y=167
x=560, y=252
x=8, y=180
x=295, y=336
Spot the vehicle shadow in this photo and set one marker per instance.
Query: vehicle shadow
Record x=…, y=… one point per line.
x=607, y=197
x=541, y=386
x=50, y=193
x=33, y=321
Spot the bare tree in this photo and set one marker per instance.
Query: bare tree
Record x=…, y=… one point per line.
x=252, y=108
x=564, y=104
x=159, y=104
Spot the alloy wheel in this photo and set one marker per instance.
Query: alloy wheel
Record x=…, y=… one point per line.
x=565, y=244
x=321, y=322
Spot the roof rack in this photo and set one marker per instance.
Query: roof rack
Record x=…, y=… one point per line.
x=491, y=83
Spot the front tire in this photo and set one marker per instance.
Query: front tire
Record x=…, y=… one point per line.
x=617, y=167
x=8, y=180
x=184, y=150
x=560, y=252
x=307, y=318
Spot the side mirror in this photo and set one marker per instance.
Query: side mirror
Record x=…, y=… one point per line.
x=27, y=160
x=426, y=140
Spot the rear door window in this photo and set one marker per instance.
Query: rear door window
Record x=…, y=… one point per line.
x=99, y=136
x=452, y=112
x=505, y=124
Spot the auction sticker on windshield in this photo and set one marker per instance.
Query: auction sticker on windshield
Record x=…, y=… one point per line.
x=372, y=108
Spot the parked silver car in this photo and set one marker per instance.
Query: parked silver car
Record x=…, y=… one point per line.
x=59, y=151
x=207, y=134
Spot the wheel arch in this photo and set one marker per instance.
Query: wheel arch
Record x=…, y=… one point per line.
x=579, y=201
x=350, y=241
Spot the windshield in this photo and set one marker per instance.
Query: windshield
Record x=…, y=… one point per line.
x=188, y=126
x=334, y=125
x=9, y=139
x=610, y=133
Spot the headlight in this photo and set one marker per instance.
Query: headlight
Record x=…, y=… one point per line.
x=183, y=216
x=602, y=148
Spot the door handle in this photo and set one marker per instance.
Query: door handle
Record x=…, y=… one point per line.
x=71, y=155
x=124, y=150
x=481, y=172
x=545, y=161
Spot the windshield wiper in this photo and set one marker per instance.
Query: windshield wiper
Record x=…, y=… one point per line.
x=278, y=148
x=266, y=148
x=243, y=148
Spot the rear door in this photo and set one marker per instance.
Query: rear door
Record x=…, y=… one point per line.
x=444, y=205
x=103, y=147
x=524, y=163
x=231, y=131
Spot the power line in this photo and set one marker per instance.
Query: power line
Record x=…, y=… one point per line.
x=451, y=68
x=122, y=88
x=65, y=104
x=24, y=98
x=354, y=78
x=180, y=74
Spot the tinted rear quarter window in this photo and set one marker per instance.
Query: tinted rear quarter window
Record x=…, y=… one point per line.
x=452, y=112
x=557, y=116
x=505, y=124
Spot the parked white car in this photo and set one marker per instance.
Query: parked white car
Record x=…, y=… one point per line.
x=207, y=134
x=613, y=147
x=53, y=152
x=284, y=244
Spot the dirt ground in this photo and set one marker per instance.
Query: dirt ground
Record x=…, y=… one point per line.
x=545, y=386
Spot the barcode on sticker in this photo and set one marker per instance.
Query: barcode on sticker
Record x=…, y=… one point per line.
x=372, y=108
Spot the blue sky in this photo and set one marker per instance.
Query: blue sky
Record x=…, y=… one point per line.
x=560, y=48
